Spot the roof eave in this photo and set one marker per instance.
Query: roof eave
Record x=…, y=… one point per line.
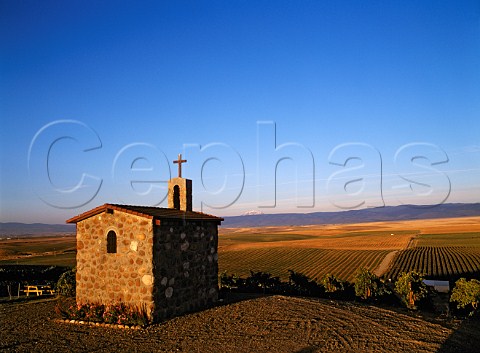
x=107, y=206
x=88, y=214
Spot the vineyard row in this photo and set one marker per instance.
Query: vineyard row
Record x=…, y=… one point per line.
x=437, y=262
x=314, y=263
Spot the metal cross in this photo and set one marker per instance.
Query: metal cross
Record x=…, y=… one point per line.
x=179, y=162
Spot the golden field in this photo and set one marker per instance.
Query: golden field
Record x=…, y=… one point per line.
x=311, y=249
x=340, y=249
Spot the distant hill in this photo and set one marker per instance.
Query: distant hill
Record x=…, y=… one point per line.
x=23, y=229
x=379, y=214
x=389, y=213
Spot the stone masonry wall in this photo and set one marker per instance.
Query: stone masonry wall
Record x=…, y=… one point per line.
x=125, y=276
x=186, y=266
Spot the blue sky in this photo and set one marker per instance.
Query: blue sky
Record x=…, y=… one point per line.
x=363, y=103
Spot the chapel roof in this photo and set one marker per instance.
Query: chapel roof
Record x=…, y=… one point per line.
x=147, y=212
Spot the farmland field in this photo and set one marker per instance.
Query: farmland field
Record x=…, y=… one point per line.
x=311, y=250
x=341, y=240
x=440, y=256
x=47, y=250
x=341, y=249
x=312, y=262
x=439, y=247
x=470, y=239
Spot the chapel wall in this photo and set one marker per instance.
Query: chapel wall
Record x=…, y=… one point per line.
x=186, y=266
x=110, y=278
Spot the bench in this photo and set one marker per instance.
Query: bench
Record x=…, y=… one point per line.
x=38, y=290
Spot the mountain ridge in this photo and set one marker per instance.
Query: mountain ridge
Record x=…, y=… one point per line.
x=18, y=228
x=378, y=214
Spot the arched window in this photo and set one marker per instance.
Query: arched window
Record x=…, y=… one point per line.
x=176, y=197
x=111, y=242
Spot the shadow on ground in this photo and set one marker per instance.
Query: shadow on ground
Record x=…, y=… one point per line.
x=466, y=339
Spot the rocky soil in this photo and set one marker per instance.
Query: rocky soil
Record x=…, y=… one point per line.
x=263, y=324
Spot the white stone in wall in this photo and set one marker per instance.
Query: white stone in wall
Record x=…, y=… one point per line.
x=164, y=281
x=182, y=236
x=169, y=292
x=186, y=265
x=134, y=245
x=147, y=280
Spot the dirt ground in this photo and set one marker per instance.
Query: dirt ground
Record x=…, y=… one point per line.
x=263, y=324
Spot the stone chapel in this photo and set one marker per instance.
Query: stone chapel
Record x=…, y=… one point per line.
x=163, y=260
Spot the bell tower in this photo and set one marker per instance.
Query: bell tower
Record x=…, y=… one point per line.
x=180, y=190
